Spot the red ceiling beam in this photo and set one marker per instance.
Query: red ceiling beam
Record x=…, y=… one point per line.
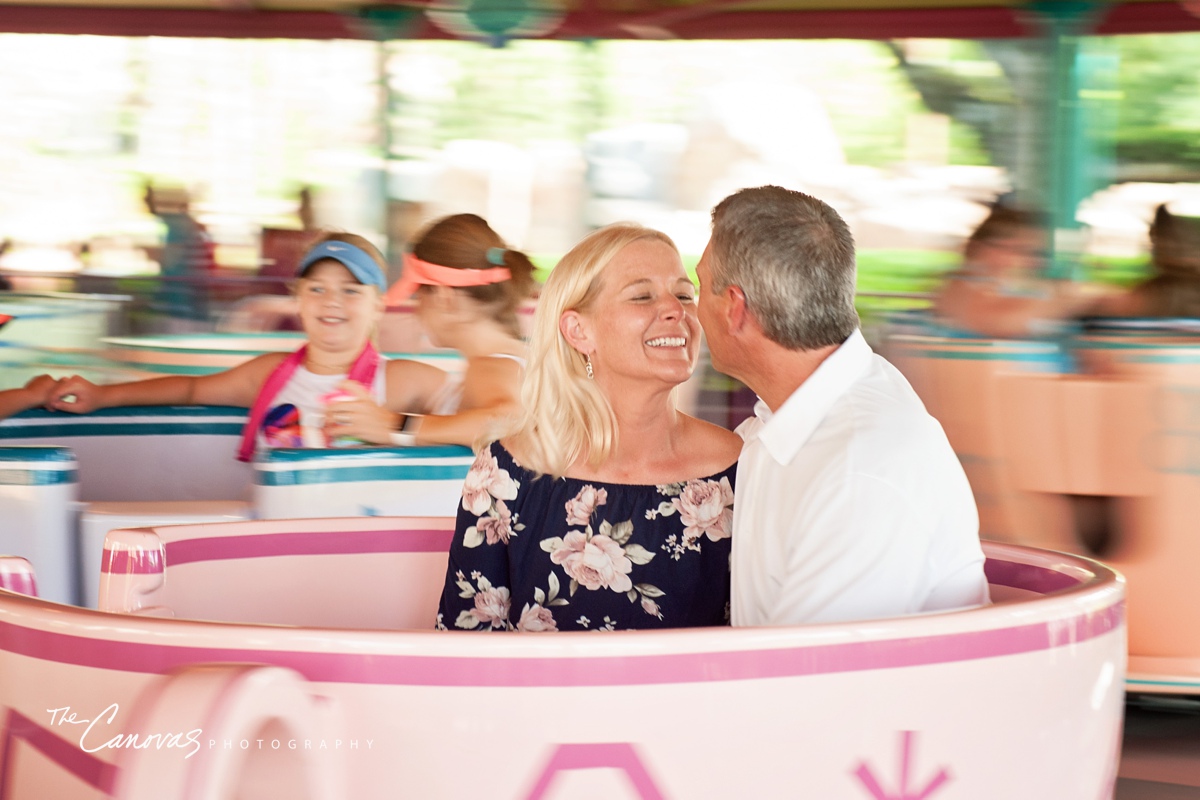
x=696, y=22
x=929, y=23
x=1162, y=17
x=176, y=22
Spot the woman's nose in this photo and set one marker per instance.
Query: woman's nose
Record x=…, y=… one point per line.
x=671, y=308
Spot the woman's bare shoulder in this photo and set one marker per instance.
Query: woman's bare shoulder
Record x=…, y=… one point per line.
x=490, y=380
x=710, y=446
x=513, y=445
x=410, y=369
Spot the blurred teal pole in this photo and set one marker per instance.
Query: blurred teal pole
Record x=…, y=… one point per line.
x=1076, y=73
x=384, y=23
x=387, y=99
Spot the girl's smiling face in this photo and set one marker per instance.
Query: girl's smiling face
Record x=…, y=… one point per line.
x=337, y=312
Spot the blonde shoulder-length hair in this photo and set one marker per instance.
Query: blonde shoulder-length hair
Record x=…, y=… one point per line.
x=566, y=416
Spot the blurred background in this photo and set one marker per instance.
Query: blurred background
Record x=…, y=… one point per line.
x=162, y=168
x=251, y=140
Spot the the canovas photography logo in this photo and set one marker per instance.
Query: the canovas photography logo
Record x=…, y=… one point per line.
x=101, y=732
x=104, y=731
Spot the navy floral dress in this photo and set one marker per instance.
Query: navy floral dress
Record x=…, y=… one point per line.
x=544, y=554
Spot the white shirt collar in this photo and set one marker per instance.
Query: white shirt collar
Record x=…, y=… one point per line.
x=785, y=431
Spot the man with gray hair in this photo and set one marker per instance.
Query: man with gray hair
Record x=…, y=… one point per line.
x=850, y=502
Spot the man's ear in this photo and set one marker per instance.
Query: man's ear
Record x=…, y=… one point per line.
x=737, y=314
x=575, y=330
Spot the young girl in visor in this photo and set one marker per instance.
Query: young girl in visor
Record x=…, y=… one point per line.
x=293, y=397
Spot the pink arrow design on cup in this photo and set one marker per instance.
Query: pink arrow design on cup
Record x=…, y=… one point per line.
x=616, y=755
x=868, y=779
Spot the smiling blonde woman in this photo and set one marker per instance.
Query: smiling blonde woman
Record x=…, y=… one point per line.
x=607, y=508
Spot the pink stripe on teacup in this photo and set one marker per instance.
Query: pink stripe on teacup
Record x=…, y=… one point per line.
x=132, y=562
x=228, y=548
x=579, y=670
x=19, y=581
x=224, y=548
x=1031, y=577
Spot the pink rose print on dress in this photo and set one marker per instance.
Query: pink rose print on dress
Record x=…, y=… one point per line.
x=536, y=619
x=651, y=608
x=581, y=508
x=705, y=508
x=492, y=605
x=485, y=481
x=597, y=563
x=497, y=528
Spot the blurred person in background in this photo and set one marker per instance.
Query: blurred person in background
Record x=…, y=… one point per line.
x=1173, y=289
x=607, y=508
x=999, y=290
x=5, y=284
x=186, y=258
x=301, y=399
x=467, y=284
x=306, y=211
x=280, y=250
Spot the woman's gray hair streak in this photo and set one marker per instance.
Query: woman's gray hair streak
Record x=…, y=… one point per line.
x=793, y=257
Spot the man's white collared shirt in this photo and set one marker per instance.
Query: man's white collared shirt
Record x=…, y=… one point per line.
x=851, y=504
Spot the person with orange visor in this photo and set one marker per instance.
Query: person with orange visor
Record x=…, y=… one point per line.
x=468, y=287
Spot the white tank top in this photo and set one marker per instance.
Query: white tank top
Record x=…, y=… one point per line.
x=304, y=391
x=447, y=399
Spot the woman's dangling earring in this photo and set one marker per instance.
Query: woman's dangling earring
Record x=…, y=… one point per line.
x=588, y=366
